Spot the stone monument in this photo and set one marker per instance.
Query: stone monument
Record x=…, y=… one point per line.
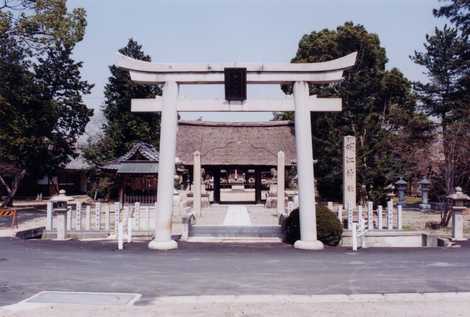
x=349, y=172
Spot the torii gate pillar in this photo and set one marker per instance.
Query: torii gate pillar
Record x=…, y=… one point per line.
x=303, y=140
x=166, y=176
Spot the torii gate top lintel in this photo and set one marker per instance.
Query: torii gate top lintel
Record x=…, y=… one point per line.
x=319, y=73
x=137, y=66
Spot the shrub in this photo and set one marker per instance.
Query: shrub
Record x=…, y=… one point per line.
x=329, y=229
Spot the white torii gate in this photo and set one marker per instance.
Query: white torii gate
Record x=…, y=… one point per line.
x=174, y=75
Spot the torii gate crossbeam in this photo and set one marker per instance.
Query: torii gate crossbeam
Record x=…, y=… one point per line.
x=173, y=75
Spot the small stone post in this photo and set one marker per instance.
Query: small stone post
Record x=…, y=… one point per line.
x=401, y=186
x=98, y=216
x=370, y=215
x=281, y=208
x=354, y=236
x=117, y=211
x=69, y=218
x=458, y=199
x=390, y=215
x=399, y=217
x=107, y=219
x=197, y=183
x=379, y=217
x=136, y=216
x=88, y=218
x=424, y=184
x=78, y=215
x=49, y=216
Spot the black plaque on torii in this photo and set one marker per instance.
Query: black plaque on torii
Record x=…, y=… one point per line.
x=235, y=83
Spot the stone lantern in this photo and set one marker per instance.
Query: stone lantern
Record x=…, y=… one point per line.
x=458, y=200
x=401, y=187
x=424, y=184
x=59, y=207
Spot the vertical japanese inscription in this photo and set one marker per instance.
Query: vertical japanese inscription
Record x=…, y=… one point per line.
x=349, y=172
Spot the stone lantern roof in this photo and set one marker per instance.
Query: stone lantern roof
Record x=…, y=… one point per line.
x=458, y=195
x=401, y=181
x=424, y=181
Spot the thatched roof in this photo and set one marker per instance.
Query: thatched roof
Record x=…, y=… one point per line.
x=235, y=143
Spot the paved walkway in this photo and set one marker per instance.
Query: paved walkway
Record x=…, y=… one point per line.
x=237, y=216
x=257, y=215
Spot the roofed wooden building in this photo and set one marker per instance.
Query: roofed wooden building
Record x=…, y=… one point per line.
x=236, y=155
x=136, y=172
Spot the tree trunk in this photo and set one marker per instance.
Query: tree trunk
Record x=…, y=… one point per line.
x=11, y=191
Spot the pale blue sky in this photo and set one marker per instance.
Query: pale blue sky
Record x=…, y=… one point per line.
x=177, y=31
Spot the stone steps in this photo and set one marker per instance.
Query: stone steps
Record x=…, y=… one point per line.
x=208, y=231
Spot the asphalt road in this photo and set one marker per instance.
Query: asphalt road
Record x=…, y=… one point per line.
x=27, y=267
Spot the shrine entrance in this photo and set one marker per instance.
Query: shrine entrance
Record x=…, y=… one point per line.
x=235, y=77
x=237, y=184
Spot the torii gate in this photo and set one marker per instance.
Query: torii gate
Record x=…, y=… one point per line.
x=174, y=75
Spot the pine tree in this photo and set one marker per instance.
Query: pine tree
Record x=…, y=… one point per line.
x=122, y=127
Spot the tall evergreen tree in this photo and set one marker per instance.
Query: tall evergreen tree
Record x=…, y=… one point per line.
x=445, y=95
x=122, y=127
x=378, y=108
x=41, y=106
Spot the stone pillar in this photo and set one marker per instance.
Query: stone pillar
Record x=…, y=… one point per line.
x=303, y=140
x=399, y=217
x=196, y=188
x=281, y=163
x=370, y=215
x=349, y=172
x=379, y=218
x=390, y=215
x=168, y=129
x=61, y=225
x=457, y=224
x=88, y=218
x=98, y=216
x=78, y=215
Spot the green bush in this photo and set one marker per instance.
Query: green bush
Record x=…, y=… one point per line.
x=329, y=229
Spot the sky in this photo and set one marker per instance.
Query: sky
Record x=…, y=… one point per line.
x=252, y=31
